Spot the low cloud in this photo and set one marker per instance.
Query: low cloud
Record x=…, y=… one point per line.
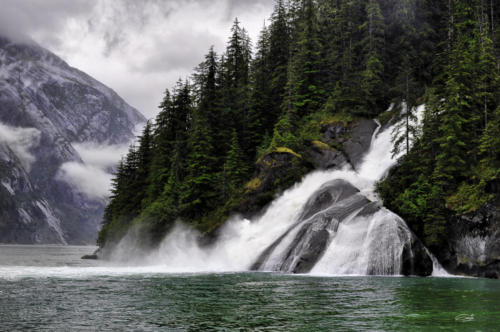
x=21, y=141
x=93, y=176
x=100, y=156
x=87, y=179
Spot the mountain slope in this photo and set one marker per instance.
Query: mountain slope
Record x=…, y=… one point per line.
x=47, y=108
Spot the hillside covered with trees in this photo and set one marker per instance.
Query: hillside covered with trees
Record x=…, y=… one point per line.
x=317, y=62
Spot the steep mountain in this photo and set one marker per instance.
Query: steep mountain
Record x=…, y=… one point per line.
x=48, y=111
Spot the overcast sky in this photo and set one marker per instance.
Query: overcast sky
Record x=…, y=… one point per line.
x=136, y=47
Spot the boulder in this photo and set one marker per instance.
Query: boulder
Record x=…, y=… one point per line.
x=305, y=242
x=352, y=141
x=329, y=193
x=314, y=236
x=322, y=156
x=89, y=257
x=416, y=259
x=360, y=140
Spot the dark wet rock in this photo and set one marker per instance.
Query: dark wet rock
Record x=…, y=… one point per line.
x=334, y=203
x=314, y=236
x=361, y=137
x=323, y=156
x=280, y=169
x=335, y=132
x=416, y=259
x=350, y=142
x=97, y=254
x=369, y=209
x=473, y=244
x=329, y=193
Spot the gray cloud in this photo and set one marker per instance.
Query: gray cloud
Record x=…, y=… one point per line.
x=40, y=19
x=180, y=51
x=138, y=48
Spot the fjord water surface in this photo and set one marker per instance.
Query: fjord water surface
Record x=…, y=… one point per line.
x=54, y=290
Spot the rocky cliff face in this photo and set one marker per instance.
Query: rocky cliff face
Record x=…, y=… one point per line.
x=473, y=244
x=48, y=109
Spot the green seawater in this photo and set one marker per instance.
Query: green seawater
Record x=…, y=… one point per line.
x=51, y=289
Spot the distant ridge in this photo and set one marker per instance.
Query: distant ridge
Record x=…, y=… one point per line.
x=46, y=107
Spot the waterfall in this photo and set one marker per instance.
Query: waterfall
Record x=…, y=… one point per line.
x=351, y=235
x=348, y=232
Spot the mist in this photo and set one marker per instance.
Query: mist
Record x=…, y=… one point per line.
x=93, y=175
x=21, y=141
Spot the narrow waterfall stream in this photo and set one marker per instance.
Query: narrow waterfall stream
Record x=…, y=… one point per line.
x=330, y=223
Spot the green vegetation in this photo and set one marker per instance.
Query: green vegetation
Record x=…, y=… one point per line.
x=449, y=169
x=318, y=63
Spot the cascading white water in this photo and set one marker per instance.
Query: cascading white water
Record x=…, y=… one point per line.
x=359, y=245
x=366, y=245
x=241, y=240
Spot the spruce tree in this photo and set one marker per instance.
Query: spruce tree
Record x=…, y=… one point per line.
x=278, y=60
x=207, y=85
x=372, y=84
x=235, y=169
x=235, y=75
x=260, y=115
x=456, y=131
x=163, y=139
x=144, y=163
x=306, y=95
x=199, y=186
x=407, y=129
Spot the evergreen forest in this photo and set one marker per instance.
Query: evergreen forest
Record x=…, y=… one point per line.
x=319, y=61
